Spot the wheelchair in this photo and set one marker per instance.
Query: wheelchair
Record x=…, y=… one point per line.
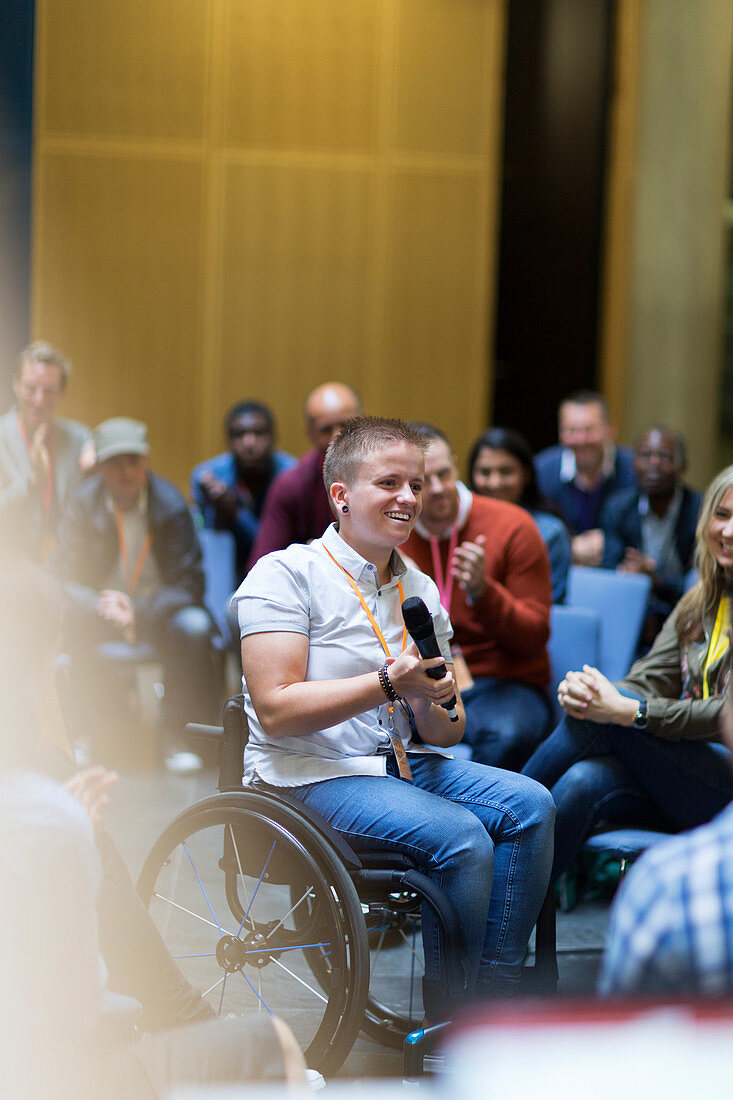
x=266, y=908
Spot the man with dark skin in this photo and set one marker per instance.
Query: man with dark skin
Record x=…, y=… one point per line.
x=230, y=489
x=297, y=508
x=651, y=529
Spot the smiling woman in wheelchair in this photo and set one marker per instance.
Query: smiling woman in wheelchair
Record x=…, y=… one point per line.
x=343, y=714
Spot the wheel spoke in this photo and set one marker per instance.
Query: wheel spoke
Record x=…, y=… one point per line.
x=411, y=947
x=290, y=911
x=257, y=994
x=259, y=883
x=377, y=951
x=214, y=986
x=239, y=864
x=297, y=979
x=196, y=916
x=203, y=888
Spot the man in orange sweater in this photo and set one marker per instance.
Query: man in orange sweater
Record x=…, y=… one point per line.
x=491, y=567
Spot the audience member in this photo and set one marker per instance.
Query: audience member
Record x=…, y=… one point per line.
x=583, y=471
x=646, y=750
x=53, y=976
x=651, y=529
x=491, y=567
x=501, y=466
x=40, y=454
x=326, y=693
x=671, y=929
x=131, y=566
x=64, y=1036
x=229, y=490
x=296, y=508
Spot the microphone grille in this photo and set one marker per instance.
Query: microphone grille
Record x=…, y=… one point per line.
x=415, y=614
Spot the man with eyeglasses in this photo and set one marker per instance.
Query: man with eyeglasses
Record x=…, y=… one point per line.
x=580, y=474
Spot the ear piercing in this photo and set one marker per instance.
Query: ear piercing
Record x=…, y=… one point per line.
x=344, y=508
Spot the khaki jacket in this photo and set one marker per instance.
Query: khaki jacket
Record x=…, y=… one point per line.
x=670, y=679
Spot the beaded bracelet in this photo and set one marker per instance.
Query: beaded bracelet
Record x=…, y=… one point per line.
x=386, y=683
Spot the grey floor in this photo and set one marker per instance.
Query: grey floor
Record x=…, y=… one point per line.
x=145, y=801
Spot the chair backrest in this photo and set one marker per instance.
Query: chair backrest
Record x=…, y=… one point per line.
x=218, y=558
x=575, y=640
x=620, y=600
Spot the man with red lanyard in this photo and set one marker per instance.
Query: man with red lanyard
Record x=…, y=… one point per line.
x=39, y=454
x=131, y=566
x=490, y=564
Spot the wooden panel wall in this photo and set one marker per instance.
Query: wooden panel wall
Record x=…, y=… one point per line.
x=245, y=198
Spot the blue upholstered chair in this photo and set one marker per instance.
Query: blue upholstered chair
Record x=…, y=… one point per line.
x=575, y=640
x=620, y=600
x=218, y=558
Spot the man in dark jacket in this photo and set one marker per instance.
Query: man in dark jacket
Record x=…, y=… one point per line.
x=651, y=529
x=131, y=566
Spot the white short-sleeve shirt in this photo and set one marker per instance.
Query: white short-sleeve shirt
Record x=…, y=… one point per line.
x=301, y=590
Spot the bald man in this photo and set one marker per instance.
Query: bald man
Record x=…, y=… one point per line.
x=296, y=508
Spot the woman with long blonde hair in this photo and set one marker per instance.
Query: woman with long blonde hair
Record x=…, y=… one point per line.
x=648, y=750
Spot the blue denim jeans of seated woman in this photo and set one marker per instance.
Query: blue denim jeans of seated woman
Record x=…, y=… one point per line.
x=598, y=771
x=505, y=721
x=481, y=834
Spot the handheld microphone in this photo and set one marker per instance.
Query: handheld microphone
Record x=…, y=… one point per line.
x=419, y=623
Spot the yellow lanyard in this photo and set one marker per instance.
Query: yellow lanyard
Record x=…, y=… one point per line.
x=718, y=642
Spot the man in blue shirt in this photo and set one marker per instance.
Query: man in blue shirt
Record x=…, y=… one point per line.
x=229, y=489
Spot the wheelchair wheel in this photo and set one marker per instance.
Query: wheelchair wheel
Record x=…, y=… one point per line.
x=261, y=915
x=394, y=1006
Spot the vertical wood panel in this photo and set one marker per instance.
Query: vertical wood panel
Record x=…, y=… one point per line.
x=293, y=276
x=119, y=289
x=135, y=68
x=301, y=75
x=241, y=197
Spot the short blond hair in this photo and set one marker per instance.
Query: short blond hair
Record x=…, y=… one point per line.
x=359, y=437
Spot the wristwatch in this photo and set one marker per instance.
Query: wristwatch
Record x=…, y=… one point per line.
x=641, y=715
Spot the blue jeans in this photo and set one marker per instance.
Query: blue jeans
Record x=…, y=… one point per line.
x=483, y=835
x=603, y=772
x=505, y=721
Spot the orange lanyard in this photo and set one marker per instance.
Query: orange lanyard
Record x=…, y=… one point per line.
x=48, y=491
x=131, y=581
x=398, y=748
x=362, y=601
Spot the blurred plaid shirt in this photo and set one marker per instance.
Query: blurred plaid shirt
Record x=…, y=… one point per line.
x=671, y=928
